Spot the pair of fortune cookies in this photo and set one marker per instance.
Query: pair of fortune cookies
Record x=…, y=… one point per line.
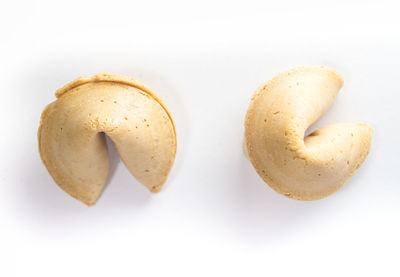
x=73, y=148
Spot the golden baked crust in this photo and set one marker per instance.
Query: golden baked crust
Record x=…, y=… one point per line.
x=280, y=112
x=72, y=142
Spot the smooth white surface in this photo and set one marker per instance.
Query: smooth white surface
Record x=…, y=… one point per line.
x=215, y=216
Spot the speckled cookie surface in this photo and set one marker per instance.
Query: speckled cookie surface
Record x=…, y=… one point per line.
x=72, y=142
x=281, y=110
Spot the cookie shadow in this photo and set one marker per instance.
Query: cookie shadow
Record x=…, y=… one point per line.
x=261, y=215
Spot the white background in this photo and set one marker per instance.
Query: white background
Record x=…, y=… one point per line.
x=214, y=216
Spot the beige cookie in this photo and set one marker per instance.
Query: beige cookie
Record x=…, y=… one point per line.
x=281, y=110
x=71, y=134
